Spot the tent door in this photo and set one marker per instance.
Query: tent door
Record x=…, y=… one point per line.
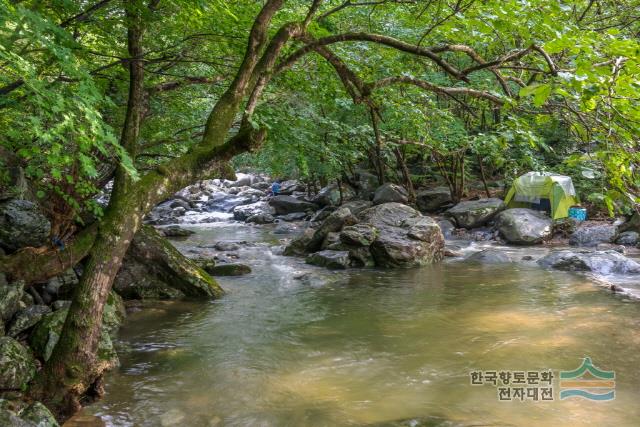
x=544, y=205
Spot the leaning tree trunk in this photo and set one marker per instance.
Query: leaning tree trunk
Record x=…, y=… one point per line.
x=73, y=366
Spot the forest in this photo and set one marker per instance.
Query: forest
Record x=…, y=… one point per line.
x=338, y=177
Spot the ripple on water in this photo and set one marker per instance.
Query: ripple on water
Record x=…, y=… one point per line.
x=291, y=344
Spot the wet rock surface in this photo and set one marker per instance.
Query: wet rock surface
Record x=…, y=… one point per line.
x=607, y=262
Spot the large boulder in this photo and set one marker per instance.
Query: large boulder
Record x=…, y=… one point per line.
x=406, y=238
x=607, y=262
x=153, y=268
x=242, y=213
x=522, y=226
x=289, y=204
x=588, y=234
x=390, y=193
x=17, y=365
x=330, y=259
x=475, y=213
x=22, y=224
x=434, y=199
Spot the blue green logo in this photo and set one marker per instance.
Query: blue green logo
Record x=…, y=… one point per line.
x=588, y=382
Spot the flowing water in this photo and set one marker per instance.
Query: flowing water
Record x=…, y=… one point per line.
x=369, y=347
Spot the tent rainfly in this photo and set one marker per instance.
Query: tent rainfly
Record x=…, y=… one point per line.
x=543, y=191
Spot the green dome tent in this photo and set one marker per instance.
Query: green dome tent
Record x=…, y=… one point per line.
x=543, y=191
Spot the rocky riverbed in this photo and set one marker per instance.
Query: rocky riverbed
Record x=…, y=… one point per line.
x=359, y=227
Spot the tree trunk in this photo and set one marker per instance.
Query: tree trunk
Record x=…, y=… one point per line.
x=73, y=367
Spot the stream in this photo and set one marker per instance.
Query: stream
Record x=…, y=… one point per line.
x=295, y=345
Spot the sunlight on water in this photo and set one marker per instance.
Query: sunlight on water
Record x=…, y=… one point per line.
x=375, y=347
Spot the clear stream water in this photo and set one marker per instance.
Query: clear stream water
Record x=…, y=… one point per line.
x=368, y=347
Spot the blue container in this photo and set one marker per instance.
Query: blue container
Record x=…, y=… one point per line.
x=578, y=213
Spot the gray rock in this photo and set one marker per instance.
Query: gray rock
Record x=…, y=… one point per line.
x=447, y=227
x=25, y=319
x=367, y=184
x=10, y=296
x=474, y=213
x=608, y=262
x=285, y=228
x=260, y=219
x=406, y=238
x=522, y=226
x=331, y=238
x=357, y=206
x=359, y=234
x=180, y=203
x=226, y=246
x=60, y=304
x=22, y=224
x=390, y=193
x=489, y=256
x=229, y=270
x=434, y=199
x=628, y=238
x=68, y=280
x=17, y=365
x=289, y=204
x=38, y=415
x=297, y=247
x=176, y=231
x=590, y=235
x=294, y=216
x=291, y=186
x=329, y=259
x=322, y=214
x=243, y=181
x=226, y=202
x=330, y=195
x=241, y=213
x=334, y=222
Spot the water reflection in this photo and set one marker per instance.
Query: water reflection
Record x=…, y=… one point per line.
x=370, y=348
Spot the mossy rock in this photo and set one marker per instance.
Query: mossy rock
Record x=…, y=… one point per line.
x=10, y=296
x=153, y=268
x=230, y=270
x=38, y=415
x=46, y=333
x=17, y=365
